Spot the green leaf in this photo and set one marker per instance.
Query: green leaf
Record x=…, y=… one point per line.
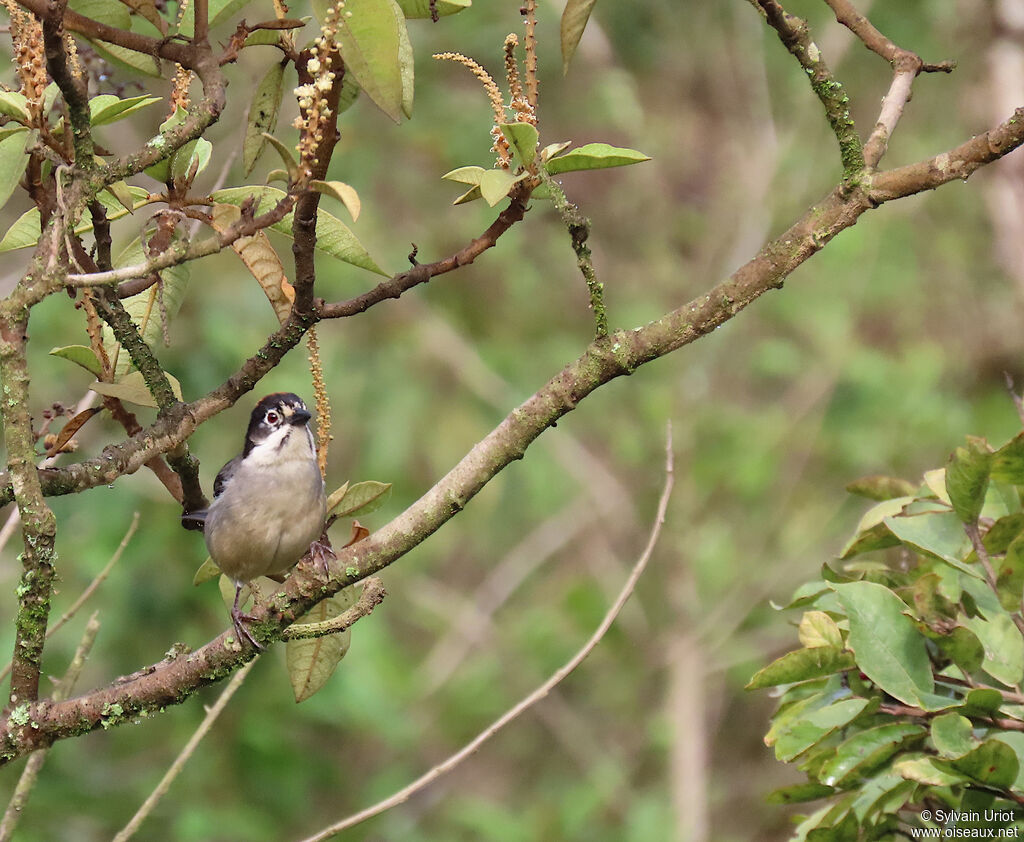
x=370, y=38
x=967, y=473
x=286, y=155
x=963, y=648
x=360, y=499
x=882, y=794
x=1008, y=461
x=13, y=161
x=25, y=230
x=123, y=57
x=952, y=735
x=207, y=570
x=1003, y=533
x=865, y=751
x=470, y=195
x=194, y=154
x=927, y=770
x=594, y=156
x=406, y=63
x=421, y=8
x=333, y=237
x=801, y=665
x=993, y=763
x=940, y=535
x=799, y=793
x=341, y=191
x=80, y=355
x=523, y=139
x=818, y=629
x=871, y=532
x=495, y=184
x=465, y=175
x=133, y=389
x=14, y=105
x=1015, y=740
x=312, y=661
x=263, y=111
x=984, y=699
x=799, y=733
x=879, y=487
x=574, y=20
x=107, y=108
x=1004, y=647
x=889, y=649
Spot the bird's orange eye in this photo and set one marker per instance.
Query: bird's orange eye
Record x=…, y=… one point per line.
x=272, y=417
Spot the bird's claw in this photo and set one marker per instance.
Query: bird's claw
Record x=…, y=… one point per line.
x=322, y=555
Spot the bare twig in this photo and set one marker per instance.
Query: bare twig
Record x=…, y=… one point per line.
x=30, y=773
x=130, y=829
x=537, y=695
x=423, y=272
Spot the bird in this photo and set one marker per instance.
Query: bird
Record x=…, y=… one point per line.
x=269, y=503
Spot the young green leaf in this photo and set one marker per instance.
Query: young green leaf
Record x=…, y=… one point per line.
x=465, y=175
x=1008, y=461
x=13, y=104
x=333, y=237
x=469, y=196
x=523, y=138
x=574, y=20
x=107, y=108
x=818, y=629
x=495, y=184
x=594, y=156
x=286, y=155
x=361, y=499
x=263, y=111
x=341, y=191
x=80, y=355
x=191, y=159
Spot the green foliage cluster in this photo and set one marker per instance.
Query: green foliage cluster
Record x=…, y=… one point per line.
x=904, y=706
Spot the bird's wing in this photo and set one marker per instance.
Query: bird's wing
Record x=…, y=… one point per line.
x=224, y=476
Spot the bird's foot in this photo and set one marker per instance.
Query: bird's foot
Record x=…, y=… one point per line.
x=322, y=554
x=238, y=620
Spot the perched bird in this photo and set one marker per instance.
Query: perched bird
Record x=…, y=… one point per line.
x=268, y=503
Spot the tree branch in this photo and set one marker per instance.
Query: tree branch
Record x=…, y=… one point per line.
x=795, y=35
x=423, y=272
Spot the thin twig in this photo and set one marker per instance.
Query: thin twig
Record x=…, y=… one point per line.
x=35, y=762
x=130, y=829
x=373, y=595
x=512, y=713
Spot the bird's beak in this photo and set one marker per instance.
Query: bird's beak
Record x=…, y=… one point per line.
x=299, y=416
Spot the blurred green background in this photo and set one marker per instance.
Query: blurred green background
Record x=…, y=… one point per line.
x=881, y=353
